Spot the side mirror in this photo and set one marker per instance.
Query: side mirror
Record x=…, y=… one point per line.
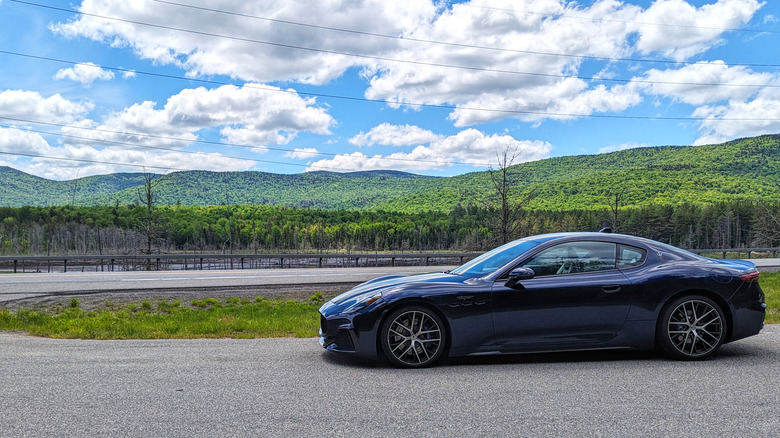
x=518, y=274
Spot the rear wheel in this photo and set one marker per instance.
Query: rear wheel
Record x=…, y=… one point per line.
x=691, y=328
x=413, y=337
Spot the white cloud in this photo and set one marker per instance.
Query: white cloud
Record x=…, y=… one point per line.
x=517, y=81
x=30, y=105
x=82, y=161
x=262, y=50
x=468, y=147
x=706, y=82
x=394, y=135
x=18, y=140
x=758, y=116
x=302, y=153
x=254, y=114
x=85, y=73
x=680, y=30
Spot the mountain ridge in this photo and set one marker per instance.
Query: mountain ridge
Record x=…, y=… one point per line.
x=742, y=169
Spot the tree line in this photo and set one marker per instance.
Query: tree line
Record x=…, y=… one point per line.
x=137, y=229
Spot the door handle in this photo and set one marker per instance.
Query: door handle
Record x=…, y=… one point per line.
x=611, y=289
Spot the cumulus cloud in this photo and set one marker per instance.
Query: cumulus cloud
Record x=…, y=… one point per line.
x=255, y=49
x=685, y=30
x=734, y=119
x=706, y=82
x=515, y=64
x=70, y=161
x=86, y=73
x=254, y=114
x=145, y=135
x=394, y=135
x=467, y=147
x=30, y=105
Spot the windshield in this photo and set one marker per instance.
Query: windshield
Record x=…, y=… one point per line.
x=494, y=259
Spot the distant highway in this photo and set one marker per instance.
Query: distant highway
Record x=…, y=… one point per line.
x=21, y=286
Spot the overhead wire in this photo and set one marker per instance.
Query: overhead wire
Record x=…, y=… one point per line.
x=388, y=59
x=391, y=102
x=406, y=38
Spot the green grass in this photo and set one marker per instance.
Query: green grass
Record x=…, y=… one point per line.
x=770, y=284
x=209, y=318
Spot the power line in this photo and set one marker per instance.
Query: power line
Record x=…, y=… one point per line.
x=398, y=102
x=474, y=46
x=387, y=59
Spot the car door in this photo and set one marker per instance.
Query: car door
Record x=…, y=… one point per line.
x=577, y=296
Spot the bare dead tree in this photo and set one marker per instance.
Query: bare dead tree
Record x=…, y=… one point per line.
x=614, y=200
x=151, y=226
x=509, y=209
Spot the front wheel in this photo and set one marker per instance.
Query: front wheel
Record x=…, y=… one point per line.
x=691, y=328
x=413, y=337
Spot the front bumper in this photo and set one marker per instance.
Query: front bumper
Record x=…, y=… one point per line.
x=351, y=334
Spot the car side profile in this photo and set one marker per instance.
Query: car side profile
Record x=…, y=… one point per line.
x=552, y=292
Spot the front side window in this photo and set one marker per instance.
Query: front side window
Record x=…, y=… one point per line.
x=573, y=257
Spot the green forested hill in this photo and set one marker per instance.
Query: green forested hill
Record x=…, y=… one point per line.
x=745, y=169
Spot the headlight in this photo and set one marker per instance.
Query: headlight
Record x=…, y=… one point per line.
x=362, y=303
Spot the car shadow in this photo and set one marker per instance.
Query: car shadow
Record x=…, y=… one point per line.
x=728, y=352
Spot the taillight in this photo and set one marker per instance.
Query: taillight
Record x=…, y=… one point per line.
x=750, y=277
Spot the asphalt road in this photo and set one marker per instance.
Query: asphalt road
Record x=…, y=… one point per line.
x=293, y=388
x=31, y=285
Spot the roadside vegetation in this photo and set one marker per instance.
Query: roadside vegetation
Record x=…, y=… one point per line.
x=211, y=318
x=207, y=318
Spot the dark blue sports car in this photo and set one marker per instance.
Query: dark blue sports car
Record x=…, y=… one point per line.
x=554, y=292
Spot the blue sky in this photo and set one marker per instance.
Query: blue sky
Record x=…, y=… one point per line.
x=436, y=88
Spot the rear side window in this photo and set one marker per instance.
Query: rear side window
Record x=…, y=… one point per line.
x=630, y=256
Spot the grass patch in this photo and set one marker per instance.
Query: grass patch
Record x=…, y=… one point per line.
x=770, y=284
x=209, y=318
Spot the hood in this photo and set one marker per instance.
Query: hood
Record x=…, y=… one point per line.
x=389, y=284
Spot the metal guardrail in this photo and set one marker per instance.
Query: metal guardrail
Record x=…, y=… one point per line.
x=749, y=251
x=228, y=261
x=255, y=261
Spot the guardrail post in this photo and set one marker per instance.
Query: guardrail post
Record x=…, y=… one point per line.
x=242, y=263
x=15, y=266
x=392, y=261
x=319, y=262
x=427, y=259
x=65, y=265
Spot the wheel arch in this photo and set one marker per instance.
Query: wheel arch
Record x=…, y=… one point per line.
x=719, y=300
x=415, y=301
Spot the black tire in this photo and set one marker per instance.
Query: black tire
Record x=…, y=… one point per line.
x=413, y=337
x=691, y=328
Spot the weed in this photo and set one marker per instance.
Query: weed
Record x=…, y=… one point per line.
x=74, y=303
